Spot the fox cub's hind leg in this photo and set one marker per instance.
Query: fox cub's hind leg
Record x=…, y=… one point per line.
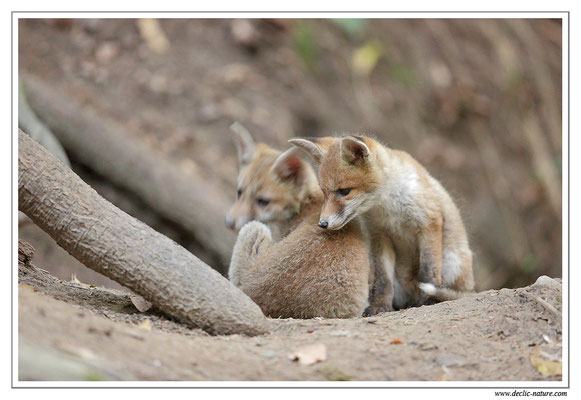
x=381, y=279
x=430, y=243
x=254, y=238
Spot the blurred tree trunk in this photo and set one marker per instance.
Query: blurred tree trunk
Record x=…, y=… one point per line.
x=29, y=123
x=126, y=250
x=190, y=201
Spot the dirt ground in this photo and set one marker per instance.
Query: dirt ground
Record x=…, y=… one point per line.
x=74, y=331
x=181, y=103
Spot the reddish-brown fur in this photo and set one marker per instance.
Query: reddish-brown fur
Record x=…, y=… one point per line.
x=309, y=272
x=256, y=181
x=400, y=203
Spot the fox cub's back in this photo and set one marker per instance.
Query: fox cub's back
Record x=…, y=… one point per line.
x=312, y=272
x=305, y=271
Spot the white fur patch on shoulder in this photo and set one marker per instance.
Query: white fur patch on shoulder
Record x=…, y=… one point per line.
x=451, y=267
x=428, y=288
x=411, y=182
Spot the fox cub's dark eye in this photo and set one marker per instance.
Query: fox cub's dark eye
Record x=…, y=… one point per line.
x=239, y=193
x=262, y=202
x=343, y=192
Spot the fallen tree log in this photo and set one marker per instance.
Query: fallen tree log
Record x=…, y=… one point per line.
x=102, y=145
x=126, y=250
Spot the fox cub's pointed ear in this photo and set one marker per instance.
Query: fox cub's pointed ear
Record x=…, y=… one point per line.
x=354, y=150
x=289, y=167
x=244, y=143
x=309, y=145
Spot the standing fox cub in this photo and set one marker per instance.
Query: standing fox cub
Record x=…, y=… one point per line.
x=398, y=200
x=308, y=272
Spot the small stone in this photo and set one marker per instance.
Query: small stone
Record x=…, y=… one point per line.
x=450, y=360
x=158, y=84
x=106, y=52
x=244, y=33
x=427, y=347
x=268, y=353
x=236, y=74
x=544, y=280
x=209, y=112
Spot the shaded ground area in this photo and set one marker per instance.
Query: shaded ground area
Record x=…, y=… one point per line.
x=72, y=331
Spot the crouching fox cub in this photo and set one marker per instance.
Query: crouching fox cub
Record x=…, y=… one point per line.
x=308, y=272
x=401, y=202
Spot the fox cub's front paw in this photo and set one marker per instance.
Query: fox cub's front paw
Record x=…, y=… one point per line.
x=374, y=310
x=254, y=236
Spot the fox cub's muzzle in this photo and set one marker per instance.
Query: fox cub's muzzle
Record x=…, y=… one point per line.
x=230, y=222
x=323, y=224
x=236, y=222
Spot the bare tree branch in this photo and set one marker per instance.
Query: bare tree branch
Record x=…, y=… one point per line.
x=102, y=145
x=119, y=246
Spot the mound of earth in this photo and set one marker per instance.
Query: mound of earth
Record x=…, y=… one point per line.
x=73, y=331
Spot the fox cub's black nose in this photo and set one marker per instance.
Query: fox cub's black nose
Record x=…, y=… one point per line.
x=323, y=224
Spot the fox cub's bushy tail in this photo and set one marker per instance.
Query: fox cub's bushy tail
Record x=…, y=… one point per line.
x=439, y=294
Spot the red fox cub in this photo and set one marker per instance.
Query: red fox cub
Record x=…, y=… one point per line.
x=398, y=200
x=269, y=191
x=309, y=272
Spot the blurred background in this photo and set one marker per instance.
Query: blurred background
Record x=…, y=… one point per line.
x=477, y=102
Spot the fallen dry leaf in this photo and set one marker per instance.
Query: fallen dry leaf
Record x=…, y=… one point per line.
x=74, y=350
x=152, y=33
x=396, y=341
x=145, y=325
x=545, y=367
x=309, y=355
x=25, y=286
x=77, y=281
x=365, y=58
x=140, y=303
